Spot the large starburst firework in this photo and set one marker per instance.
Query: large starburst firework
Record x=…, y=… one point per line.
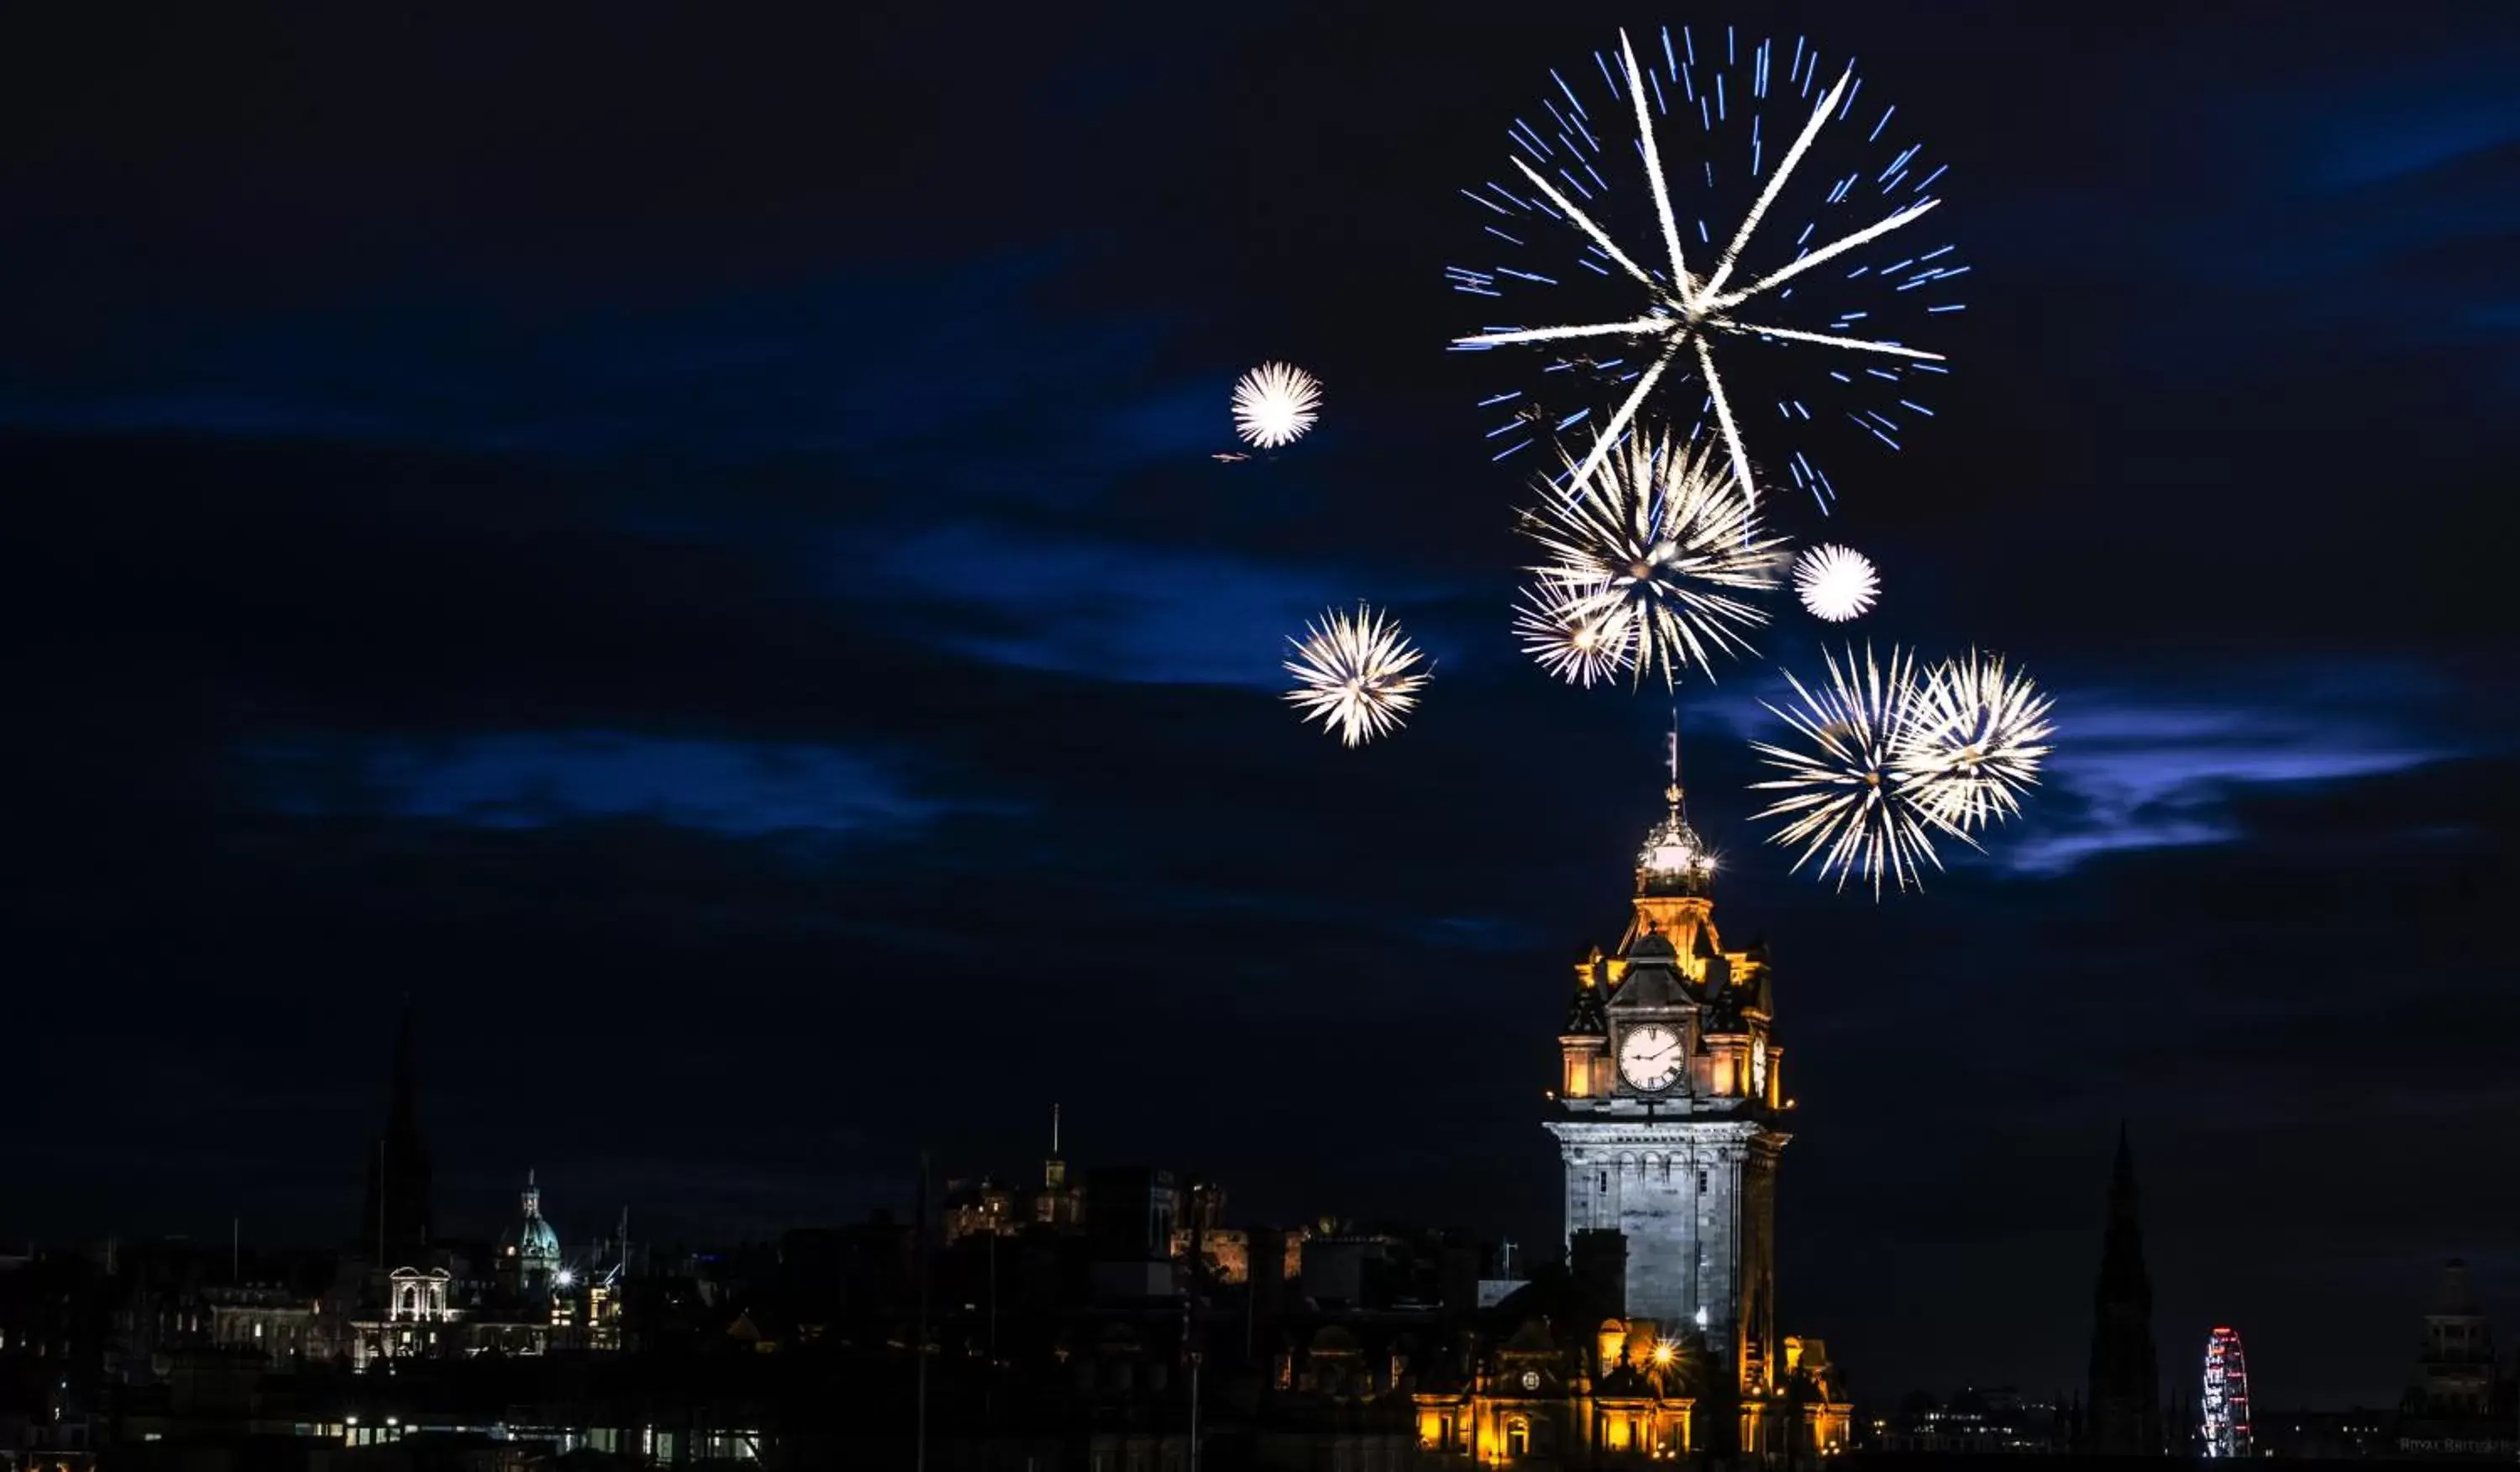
x=1978, y=734
x=1835, y=582
x=1659, y=536
x=1356, y=674
x=1808, y=313
x=1274, y=404
x=1571, y=641
x=1852, y=801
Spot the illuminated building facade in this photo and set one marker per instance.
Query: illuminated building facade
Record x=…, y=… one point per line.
x=2226, y=1429
x=1667, y=1114
x=1658, y=1340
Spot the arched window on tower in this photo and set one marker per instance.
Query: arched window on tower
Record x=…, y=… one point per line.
x=1518, y=1437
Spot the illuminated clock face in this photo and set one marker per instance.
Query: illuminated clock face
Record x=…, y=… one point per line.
x=1759, y=1067
x=1650, y=1057
x=1531, y=1379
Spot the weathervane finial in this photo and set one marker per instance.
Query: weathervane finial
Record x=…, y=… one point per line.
x=1671, y=756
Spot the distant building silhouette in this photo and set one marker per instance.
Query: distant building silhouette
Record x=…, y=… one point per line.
x=397, y=1225
x=2460, y=1404
x=2125, y=1406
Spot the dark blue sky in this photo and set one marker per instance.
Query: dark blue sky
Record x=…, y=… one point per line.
x=687, y=543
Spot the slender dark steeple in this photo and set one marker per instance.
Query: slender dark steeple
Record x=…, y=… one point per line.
x=397, y=1225
x=2125, y=1411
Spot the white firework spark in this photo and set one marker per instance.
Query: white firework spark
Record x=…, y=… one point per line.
x=1662, y=537
x=1575, y=643
x=1275, y=403
x=1979, y=733
x=1853, y=802
x=1356, y=674
x=1835, y=582
x=1683, y=314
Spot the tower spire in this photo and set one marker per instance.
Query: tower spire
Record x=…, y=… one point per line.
x=402, y=1107
x=397, y=1213
x=1671, y=753
x=2124, y=1379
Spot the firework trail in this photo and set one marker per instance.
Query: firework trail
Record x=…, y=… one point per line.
x=1355, y=673
x=1850, y=799
x=1835, y=582
x=1978, y=734
x=1274, y=404
x=1663, y=539
x=1807, y=301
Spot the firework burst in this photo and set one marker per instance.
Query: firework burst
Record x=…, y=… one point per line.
x=1661, y=538
x=1835, y=582
x=1576, y=644
x=1355, y=673
x=1978, y=734
x=1835, y=184
x=1852, y=799
x=1274, y=404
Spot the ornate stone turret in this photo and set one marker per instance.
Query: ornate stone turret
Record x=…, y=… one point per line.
x=1675, y=871
x=1584, y=1044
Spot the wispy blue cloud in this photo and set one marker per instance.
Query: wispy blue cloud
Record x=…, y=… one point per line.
x=2154, y=776
x=2136, y=768
x=899, y=371
x=1109, y=611
x=527, y=780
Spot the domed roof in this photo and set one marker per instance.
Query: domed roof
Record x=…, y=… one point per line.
x=1674, y=859
x=538, y=1245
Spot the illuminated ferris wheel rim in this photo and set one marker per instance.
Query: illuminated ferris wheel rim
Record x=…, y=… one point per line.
x=2226, y=1400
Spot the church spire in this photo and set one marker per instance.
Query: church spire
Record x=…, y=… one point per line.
x=402, y=1105
x=2125, y=1377
x=397, y=1222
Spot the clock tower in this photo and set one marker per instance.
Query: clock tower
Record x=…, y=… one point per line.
x=1668, y=1112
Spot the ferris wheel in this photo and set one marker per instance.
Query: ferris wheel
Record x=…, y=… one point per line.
x=2226, y=1394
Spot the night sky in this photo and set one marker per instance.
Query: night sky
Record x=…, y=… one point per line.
x=687, y=545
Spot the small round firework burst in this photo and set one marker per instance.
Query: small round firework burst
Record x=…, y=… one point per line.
x=1663, y=536
x=1854, y=800
x=1835, y=582
x=1274, y=404
x=1975, y=740
x=1576, y=644
x=1356, y=674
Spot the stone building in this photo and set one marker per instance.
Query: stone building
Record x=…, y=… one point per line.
x=1669, y=1113
x=1659, y=1337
